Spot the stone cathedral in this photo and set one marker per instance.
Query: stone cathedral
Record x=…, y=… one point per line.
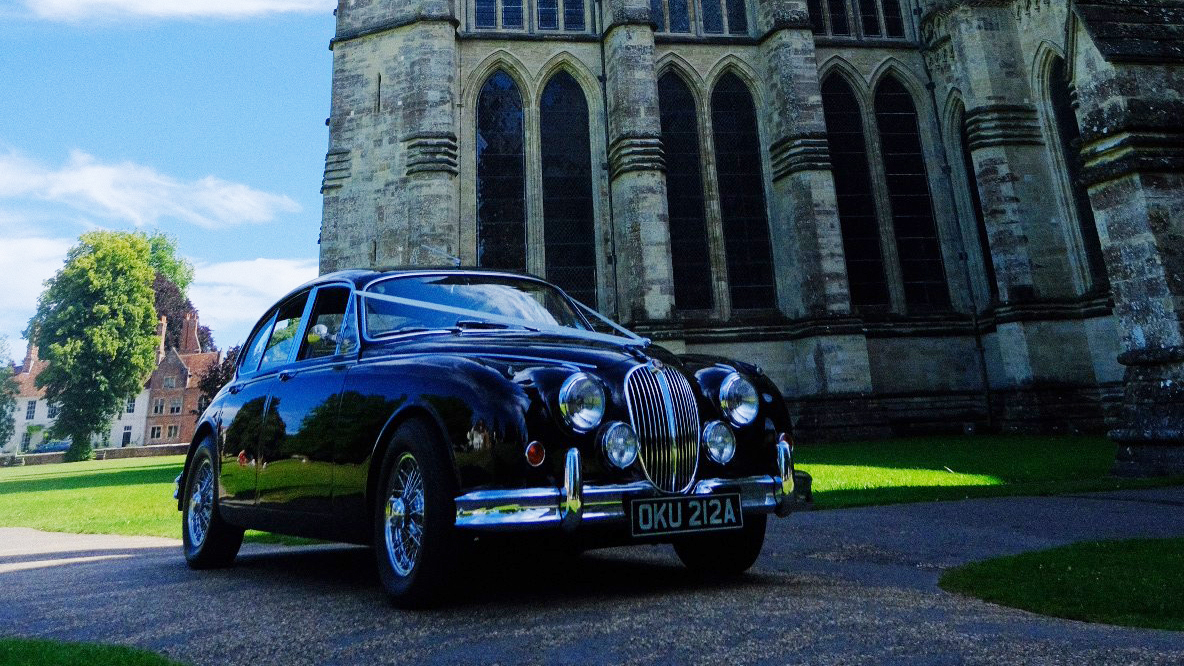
x=916, y=215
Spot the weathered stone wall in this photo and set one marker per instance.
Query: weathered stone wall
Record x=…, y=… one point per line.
x=399, y=189
x=1130, y=106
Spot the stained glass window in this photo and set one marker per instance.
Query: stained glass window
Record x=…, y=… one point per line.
x=684, y=195
x=856, y=200
x=742, y=195
x=569, y=227
x=501, y=176
x=917, y=244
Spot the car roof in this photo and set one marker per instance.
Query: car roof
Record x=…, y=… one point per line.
x=362, y=278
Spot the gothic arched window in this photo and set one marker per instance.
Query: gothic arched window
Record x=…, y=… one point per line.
x=684, y=195
x=715, y=17
x=501, y=175
x=917, y=245
x=742, y=195
x=569, y=229
x=856, y=198
x=976, y=203
x=1069, y=138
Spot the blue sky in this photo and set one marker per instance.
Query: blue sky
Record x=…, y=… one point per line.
x=204, y=119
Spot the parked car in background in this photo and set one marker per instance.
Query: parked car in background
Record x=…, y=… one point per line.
x=412, y=409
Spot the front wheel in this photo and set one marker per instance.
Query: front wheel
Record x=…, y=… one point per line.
x=209, y=541
x=724, y=553
x=414, y=517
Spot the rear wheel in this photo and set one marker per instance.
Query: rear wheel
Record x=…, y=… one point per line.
x=209, y=541
x=414, y=517
x=724, y=553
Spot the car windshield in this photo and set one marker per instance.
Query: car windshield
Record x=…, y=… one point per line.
x=432, y=302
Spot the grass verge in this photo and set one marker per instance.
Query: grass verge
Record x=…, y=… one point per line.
x=1136, y=583
x=920, y=469
x=132, y=496
x=135, y=495
x=32, y=652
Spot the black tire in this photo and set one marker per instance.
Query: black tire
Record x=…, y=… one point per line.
x=414, y=573
x=218, y=544
x=724, y=553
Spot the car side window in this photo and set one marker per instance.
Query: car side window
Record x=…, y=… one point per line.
x=255, y=347
x=283, y=333
x=324, y=323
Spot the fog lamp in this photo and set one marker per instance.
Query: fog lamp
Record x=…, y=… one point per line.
x=620, y=444
x=720, y=442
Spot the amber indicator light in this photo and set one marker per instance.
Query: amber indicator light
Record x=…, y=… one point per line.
x=535, y=454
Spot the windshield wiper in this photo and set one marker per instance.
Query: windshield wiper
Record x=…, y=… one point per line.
x=477, y=324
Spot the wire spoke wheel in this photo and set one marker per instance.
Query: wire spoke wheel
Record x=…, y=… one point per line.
x=201, y=504
x=404, y=515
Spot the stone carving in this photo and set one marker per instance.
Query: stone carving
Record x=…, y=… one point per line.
x=800, y=152
x=430, y=152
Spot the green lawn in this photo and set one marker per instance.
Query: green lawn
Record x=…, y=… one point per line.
x=28, y=652
x=127, y=496
x=919, y=469
x=135, y=495
x=1137, y=583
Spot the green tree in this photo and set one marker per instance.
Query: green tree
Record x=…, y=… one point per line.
x=164, y=260
x=217, y=375
x=95, y=325
x=8, y=390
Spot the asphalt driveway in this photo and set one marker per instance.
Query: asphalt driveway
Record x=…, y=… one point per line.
x=856, y=586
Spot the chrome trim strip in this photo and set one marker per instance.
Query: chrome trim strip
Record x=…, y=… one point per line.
x=535, y=508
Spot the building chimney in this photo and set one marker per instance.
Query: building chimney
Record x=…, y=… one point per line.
x=161, y=327
x=31, y=357
x=189, y=342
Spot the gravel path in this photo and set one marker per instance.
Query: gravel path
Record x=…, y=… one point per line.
x=856, y=586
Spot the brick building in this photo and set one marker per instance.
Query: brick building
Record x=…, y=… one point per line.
x=174, y=399
x=34, y=414
x=914, y=216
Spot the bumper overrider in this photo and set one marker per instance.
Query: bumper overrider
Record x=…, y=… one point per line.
x=577, y=503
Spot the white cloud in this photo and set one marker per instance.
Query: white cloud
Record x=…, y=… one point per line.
x=28, y=263
x=75, y=10
x=137, y=194
x=231, y=296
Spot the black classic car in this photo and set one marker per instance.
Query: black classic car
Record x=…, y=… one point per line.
x=412, y=409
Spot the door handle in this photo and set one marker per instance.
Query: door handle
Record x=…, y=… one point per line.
x=235, y=389
x=286, y=375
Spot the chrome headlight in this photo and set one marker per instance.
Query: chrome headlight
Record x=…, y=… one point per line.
x=581, y=401
x=720, y=442
x=620, y=444
x=738, y=398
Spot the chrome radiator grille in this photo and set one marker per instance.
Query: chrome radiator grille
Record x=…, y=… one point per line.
x=664, y=413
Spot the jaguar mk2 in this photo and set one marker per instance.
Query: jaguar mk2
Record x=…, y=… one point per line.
x=412, y=409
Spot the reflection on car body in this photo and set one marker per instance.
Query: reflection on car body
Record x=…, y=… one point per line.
x=412, y=409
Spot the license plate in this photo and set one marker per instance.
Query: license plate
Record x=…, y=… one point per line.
x=679, y=515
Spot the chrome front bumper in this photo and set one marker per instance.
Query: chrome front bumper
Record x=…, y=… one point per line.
x=577, y=503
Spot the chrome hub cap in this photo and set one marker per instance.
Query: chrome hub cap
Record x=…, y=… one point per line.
x=404, y=515
x=201, y=503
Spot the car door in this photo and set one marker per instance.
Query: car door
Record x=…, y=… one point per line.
x=296, y=473
x=250, y=423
